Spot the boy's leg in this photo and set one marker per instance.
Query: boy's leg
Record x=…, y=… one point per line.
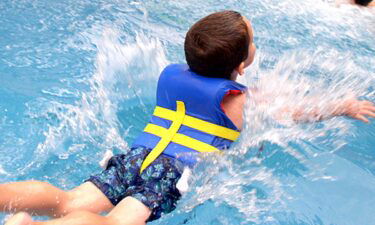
x=129, y=211
x=44, y=199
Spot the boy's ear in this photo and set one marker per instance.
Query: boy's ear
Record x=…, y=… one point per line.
x=241, y=68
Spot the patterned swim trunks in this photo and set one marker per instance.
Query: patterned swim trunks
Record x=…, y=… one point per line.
x=155, y=187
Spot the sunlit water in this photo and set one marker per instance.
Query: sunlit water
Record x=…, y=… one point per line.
x=78, y=78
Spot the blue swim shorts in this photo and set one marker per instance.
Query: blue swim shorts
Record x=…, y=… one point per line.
x=155, y=187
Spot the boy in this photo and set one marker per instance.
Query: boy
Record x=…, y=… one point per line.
x=199, y=109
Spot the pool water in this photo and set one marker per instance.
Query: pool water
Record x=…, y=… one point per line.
x=78, y=78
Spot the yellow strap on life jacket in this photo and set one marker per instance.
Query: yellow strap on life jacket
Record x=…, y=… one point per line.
x=181, y=139
x=167, y=137
x=199, y=124
x=179, y=118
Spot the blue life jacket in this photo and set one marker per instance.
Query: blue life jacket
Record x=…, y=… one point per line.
x=188, y=118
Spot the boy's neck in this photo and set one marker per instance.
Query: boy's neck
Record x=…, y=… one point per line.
x=234, y=76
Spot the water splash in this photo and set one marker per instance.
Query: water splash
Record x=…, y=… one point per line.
x=2, y=171
x=124, y=73
x=321, y=80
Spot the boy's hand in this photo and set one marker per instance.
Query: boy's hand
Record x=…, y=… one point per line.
x=359, y=110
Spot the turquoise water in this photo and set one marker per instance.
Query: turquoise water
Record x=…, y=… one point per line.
x=78, y=78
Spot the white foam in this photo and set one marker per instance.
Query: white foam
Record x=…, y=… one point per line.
x=124, y=72
x=2, y=171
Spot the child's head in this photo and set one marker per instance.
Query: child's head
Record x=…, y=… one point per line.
x=220, y=45
x=362, y=2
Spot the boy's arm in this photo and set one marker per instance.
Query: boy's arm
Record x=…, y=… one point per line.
x=317, y=109
x=233, y=107
x=352, y=108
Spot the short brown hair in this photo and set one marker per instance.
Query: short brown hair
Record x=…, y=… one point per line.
x=217, y=44
x=363, y=2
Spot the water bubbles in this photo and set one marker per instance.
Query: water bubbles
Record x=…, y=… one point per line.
x=63, y=156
